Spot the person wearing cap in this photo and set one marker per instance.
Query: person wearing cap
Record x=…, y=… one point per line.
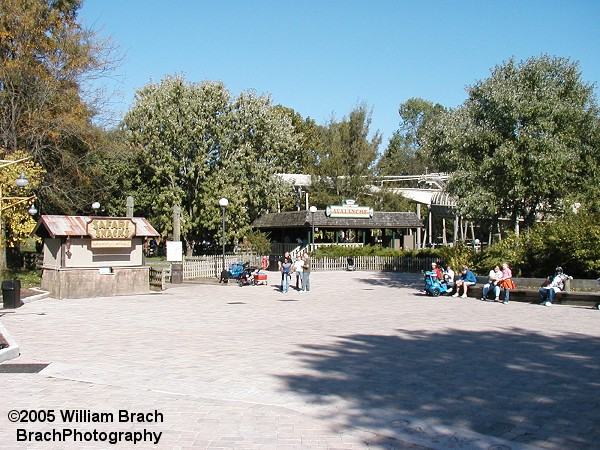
x=552, y=286
x=438, y=272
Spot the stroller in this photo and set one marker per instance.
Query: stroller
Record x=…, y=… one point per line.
x=350, y=266
x=246, y=277
x=241, y=272
x=433, y=286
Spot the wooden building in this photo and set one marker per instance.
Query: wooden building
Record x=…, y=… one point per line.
x=94, y=256
x=389, y=229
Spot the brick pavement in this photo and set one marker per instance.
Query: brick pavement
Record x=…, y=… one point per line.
x=362, y=361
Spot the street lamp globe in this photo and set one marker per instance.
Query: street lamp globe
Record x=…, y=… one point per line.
x=32, y=211
x=96, y=206
x=223, y=202
x=22, y=181
x=313, y=209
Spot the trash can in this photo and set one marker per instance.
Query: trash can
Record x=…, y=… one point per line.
x=11, y=294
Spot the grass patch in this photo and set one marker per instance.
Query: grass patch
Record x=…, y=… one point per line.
x=28, y=278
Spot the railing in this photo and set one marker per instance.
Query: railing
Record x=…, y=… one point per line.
x=158, y=278
x=375, y=263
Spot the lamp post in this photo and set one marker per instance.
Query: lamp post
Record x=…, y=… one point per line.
x=223, y=202
x=313, y=210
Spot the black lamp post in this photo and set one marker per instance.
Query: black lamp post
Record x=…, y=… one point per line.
x=223, y=202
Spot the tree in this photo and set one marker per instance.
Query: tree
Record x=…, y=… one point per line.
x=524, y=145
x=402, y=155
x=45, y=60
x=15, y=222
x=345, y=159
x=195, y=144
x=307, y=132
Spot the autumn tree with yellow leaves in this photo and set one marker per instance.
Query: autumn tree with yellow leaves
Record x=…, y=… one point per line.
x=46, y=61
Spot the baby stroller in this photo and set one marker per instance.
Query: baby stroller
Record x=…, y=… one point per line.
x=246, y=277
x=350, y=266
x=237, y=271
x=433, y=286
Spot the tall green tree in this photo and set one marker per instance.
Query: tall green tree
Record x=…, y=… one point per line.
x=402, y=154
x=524, y=145
x=307, y=131
x=345, y=159
x=195, y=144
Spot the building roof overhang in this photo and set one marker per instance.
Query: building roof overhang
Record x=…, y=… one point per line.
x=76, y=226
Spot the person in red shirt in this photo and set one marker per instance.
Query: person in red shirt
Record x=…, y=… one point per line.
x=438, y=271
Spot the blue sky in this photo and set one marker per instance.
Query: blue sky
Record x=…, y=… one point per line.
x=323, y=58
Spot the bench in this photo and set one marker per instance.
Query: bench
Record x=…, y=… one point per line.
x=527, y=291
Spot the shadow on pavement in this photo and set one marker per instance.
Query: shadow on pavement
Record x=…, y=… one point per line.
x=393, y=279
x=513, y=384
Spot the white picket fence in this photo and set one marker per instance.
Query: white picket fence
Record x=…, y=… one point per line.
x=210, y=266
x=375, y=263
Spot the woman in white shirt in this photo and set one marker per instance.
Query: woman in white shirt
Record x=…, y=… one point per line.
x=298, y=271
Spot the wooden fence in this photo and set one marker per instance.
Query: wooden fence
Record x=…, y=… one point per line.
x=210, y=266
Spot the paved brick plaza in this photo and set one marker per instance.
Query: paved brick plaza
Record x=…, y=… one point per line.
x=362, y=361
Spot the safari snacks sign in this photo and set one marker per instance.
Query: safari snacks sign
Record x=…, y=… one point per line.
x=111, y=232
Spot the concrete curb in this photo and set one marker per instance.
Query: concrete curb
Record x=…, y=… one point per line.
x=42, y=294
x=13, y=350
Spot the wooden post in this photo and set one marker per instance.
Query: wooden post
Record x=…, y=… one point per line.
x=176, y=223
x=129, y=207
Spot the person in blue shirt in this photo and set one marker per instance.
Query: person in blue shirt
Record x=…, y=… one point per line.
x=467, y=278
x=286, y=274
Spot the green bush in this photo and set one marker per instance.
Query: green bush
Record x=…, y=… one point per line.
x=507, y=250
x=259, y=242
x=458, y=255
x=572, y=242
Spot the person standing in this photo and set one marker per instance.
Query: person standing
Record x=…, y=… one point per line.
x=298, y=269
x=280, y=262
x=286, y=269
x=306, y=272
x=506, y=282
